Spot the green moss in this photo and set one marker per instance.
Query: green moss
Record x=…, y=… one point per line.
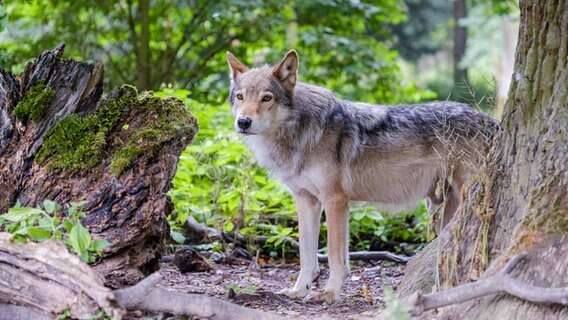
x=35, y=102
x=83, y=142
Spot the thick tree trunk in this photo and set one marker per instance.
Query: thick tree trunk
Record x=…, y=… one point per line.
x=519, y=201
x=118, y=153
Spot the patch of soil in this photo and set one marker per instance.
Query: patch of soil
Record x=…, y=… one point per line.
x=256, y=288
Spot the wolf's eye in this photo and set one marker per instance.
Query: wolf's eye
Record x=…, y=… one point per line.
x=240, y=96
x=266, y=98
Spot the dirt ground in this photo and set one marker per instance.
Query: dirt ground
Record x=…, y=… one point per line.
x=256, y=287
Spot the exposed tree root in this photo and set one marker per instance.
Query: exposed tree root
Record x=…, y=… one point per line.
x=146, y=296
x=502, y=282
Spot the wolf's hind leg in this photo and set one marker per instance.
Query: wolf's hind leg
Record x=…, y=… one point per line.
x=442, y=203
x=309, y=213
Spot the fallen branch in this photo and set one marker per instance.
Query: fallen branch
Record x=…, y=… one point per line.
x=214, y=234
x=371, y=255
x=234, y=237
x=502, y=282
x=146, y=296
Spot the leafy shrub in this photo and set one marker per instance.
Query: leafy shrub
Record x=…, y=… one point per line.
x=40, y=224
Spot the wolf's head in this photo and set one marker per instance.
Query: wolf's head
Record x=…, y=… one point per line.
x=262, y=97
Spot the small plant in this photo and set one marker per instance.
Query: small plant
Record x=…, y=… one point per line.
x=47, y=222
x=238, y=289
x=395, y=308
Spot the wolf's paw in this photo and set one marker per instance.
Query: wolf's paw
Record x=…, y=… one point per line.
x=293, y=293
x=327, y=296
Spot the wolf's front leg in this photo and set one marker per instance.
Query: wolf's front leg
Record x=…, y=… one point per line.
x=309, y=212
x=337, y=217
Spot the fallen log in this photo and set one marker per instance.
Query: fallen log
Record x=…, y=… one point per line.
x=44, y=280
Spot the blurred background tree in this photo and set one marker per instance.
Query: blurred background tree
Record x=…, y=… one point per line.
x=380, y=51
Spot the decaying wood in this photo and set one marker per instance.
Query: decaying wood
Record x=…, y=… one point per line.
x=213, y=234
x=49, y=280
x=502, y=282
x=45, y=280
x=127, y=208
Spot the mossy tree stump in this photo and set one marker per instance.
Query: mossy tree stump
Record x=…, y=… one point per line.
x=60, y=139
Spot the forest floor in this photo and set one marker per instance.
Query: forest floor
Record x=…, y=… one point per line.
x=363, y=292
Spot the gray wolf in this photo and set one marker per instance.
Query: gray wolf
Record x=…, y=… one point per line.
x=329, y=152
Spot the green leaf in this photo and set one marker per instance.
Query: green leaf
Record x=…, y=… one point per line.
x=20, y=214
x=359, y=215
x=98, y=245
x=78, y=204
x=228, y=226
x=79, y=238
x=68, y=225
x=178, y=237
x=50, y=206
x=38, y=234
x=45, y=223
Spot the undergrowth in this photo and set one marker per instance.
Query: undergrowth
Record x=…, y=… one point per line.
x=48, y=221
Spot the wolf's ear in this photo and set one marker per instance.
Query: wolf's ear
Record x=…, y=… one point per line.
x=287, y=70
x=237, y=67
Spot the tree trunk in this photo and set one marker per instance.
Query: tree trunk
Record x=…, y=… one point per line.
x=59, y=140
x=143, y=63
x=519, y=201
x=460, y=40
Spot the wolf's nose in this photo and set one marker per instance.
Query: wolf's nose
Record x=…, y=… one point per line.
x=244, y=122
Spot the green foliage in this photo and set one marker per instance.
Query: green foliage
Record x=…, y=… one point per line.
x=40, y=224
x=186, y=43
x=35, y=101
x=218, y=183
x=368, y=227
x=78, y=142
x=3, y=17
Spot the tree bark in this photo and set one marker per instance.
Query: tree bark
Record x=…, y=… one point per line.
x=118, y=153
x=519, y=201
x=460, y=41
